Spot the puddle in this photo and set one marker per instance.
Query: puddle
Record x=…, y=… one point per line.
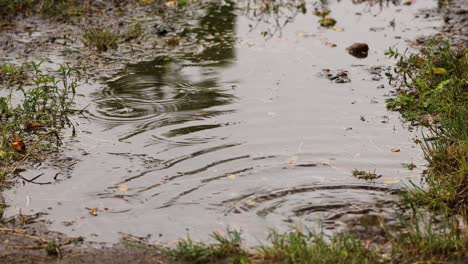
x=238, y=130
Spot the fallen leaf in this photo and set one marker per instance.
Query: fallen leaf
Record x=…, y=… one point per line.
x=439, y=71
x=123, y=188
x=18, y=145
x=391, y=181
x=330, y=44
x=338, y=29
x=171, y=3
x=395, y=150
x=93, y=211
x=251, y=203
x=327, y=22
x=292, y=161
x=231, y=176
x=300, y=33
x=32, y=125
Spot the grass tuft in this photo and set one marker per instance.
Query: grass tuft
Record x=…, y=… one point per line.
x=100, y=38
x=429, y=239
x=298, y=247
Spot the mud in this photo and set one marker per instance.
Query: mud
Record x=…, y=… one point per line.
x=235, y=125
x=28, y=244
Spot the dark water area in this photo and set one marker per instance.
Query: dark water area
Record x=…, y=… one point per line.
x=239, y=126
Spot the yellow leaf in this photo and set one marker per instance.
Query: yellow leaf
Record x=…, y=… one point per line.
x=395, y=150
x=93, y=211
x=292, y=161
x=338, y=29
x=391, y=181
x=171, y=3
x=439, y=71
x=251, y=203
x=231, y=176
x=123, y=188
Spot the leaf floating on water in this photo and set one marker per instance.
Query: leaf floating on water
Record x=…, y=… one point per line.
x=330, y=44
x=232, y=176
x=322, y=13
x=327, y=22
x=391, y=181
x=123, y=188
x=292, y=161
x=395, y=150
x=171, y=3
x=93, y=211
x=251, y=203
x=338, y=29
x=439, y=71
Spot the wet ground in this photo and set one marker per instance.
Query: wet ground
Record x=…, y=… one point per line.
x=247, y=123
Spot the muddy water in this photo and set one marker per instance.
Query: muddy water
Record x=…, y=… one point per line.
x=237, y=127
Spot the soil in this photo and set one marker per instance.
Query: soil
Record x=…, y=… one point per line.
x=23, y=247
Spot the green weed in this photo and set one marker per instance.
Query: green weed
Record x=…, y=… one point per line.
x=430, y=83
x=433, y=92
x=32, y=123
x=11, y=74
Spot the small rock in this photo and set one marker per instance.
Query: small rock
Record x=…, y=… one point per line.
x=358, y=50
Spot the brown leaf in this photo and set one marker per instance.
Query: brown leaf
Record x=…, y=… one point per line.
x=93, y=211
x=123, y=188
x=32, y=125
x=395, y=150
x=18, y=145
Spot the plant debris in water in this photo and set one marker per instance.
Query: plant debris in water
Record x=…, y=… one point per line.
x=365, y=175
x=339, y=76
